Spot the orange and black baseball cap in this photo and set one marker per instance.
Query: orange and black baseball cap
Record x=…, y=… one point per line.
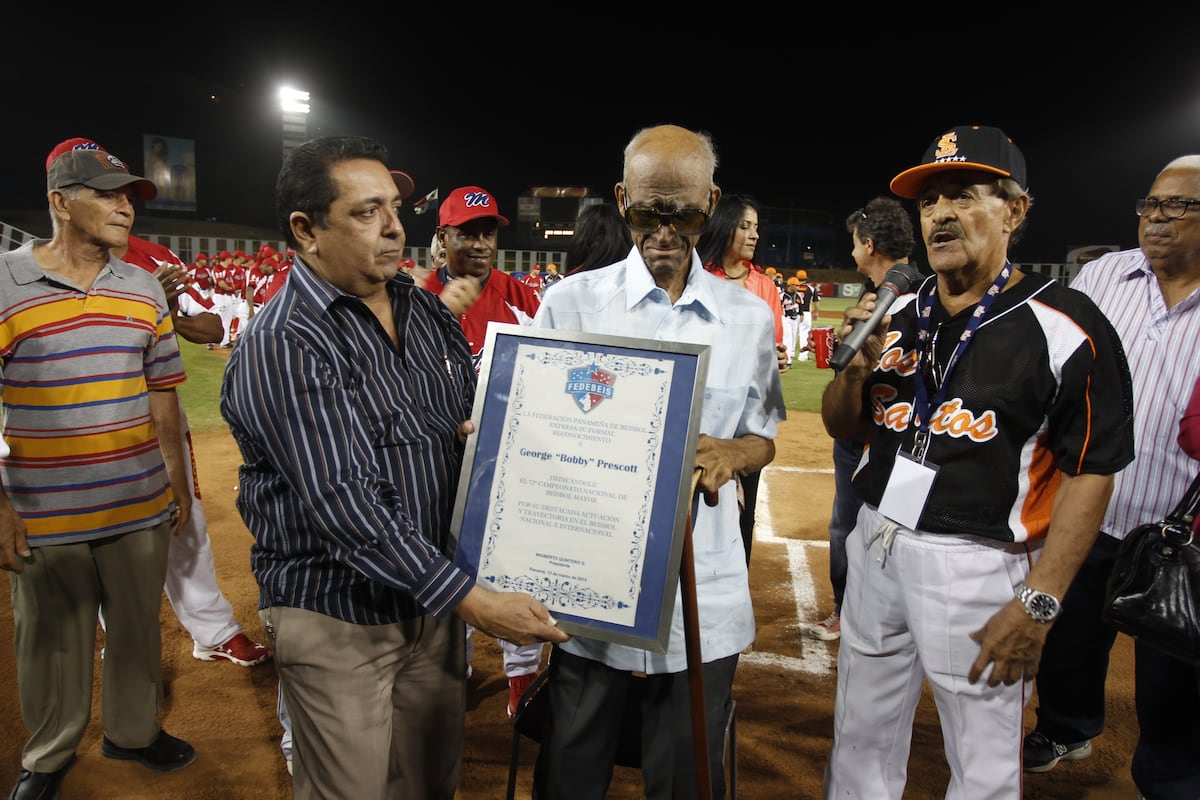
x=82, y=161
x=467, y=203
x=964, y=147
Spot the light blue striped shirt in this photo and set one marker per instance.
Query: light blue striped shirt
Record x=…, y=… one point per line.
x=350, y=449
x=1160, y=344
x=742, y=396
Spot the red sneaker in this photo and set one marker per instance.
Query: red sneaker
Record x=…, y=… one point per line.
x=827, y=629
x=240, y=650
x=517, y=685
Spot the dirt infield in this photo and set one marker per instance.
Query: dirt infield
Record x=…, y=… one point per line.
x=784, y=688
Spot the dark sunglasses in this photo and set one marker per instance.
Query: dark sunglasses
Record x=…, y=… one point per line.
x=684, y=221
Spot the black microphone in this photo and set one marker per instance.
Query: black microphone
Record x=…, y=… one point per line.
x=895, y=283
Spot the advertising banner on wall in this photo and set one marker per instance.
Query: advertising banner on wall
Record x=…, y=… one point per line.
x=171, y=165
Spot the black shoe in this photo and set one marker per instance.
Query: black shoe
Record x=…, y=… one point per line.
x=40, y=785
x=1041, y=754
x=164, y=754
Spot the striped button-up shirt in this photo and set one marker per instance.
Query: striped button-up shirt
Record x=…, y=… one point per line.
x=1160, y=344
x=350, y=449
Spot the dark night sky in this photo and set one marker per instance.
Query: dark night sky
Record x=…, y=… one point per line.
x=821, y=129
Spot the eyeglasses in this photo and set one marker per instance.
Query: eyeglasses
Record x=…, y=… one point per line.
x=684, y=221
x=931, y=371
x=1173, y=208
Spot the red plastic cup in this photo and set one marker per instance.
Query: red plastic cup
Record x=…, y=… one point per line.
x=823, y=345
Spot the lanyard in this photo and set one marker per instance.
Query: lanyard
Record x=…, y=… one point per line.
x=922, y=404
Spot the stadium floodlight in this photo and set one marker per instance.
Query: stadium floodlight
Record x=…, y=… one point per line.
x=294, y=101
x=294, y=104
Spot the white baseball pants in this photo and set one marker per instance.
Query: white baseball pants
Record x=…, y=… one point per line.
x=912, y=599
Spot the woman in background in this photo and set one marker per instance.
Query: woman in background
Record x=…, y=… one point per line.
x=601, y=238
x=726, y=249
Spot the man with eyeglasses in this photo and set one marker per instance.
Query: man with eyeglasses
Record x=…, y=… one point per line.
x=1152, y=296
x=661, y=291
x=998, y=406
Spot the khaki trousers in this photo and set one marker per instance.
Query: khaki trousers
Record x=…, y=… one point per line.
x=378, y=711
x=56, y=600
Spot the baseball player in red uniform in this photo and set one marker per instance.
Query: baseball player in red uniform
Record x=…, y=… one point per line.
x=999, y=407
x=468, y=224
x=191, y=583
x=227, y=283
x=534, y=280
x=200, y=276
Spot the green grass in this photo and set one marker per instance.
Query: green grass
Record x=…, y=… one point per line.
x=201, y=392
x=802, y=384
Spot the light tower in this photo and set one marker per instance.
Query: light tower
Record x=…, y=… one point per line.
x=294, y=104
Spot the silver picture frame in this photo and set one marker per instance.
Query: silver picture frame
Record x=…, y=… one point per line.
x=576, y=484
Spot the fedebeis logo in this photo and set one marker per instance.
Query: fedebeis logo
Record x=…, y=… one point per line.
x=589, y=385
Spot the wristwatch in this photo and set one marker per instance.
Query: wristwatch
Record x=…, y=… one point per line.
x=1041, y=606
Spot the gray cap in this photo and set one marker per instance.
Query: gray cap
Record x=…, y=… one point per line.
x=97, y=169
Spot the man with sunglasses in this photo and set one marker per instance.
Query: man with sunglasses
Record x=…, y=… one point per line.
x=998, y=406
x=1152, y=296
x=661, y=291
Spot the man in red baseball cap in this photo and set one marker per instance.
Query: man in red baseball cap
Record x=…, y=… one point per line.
x=469, y=221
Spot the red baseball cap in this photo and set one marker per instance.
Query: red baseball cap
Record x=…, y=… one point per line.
x=78, y=143
x=467, y=203
x=404, y=182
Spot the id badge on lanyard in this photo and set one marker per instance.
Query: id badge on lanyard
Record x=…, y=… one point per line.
x=908, y=487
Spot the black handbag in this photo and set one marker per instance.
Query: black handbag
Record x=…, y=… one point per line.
x=1153, y=593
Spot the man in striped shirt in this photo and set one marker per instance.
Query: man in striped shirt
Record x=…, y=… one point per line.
x=350, y=396
x=95, y=482
x=1152, y=296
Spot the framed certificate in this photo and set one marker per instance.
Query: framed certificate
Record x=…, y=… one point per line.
x=576, y=486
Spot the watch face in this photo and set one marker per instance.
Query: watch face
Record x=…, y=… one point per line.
x=1043, y=606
